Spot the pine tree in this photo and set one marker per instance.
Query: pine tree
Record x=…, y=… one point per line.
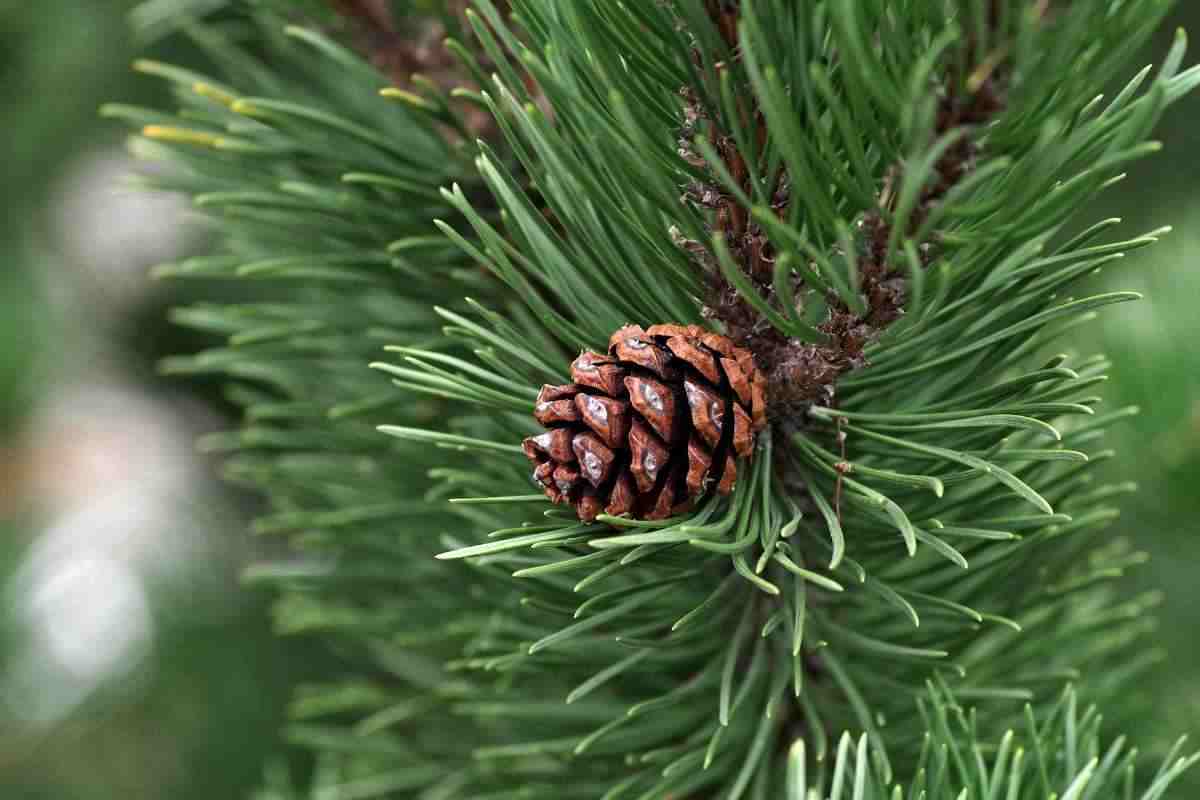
x=908, y=591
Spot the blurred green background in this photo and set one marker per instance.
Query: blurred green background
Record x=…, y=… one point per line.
x=131, y=664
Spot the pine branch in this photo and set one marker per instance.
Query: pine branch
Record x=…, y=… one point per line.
x=957, y=548
x=802, y=374
x=919, y=454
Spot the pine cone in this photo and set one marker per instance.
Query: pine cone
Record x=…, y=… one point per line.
x=650, y=427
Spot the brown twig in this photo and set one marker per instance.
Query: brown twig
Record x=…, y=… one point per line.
x=402, y=54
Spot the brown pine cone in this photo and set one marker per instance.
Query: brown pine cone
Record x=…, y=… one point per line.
x=650, y=427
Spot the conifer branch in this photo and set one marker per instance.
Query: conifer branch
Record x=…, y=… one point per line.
x=957, y=559
x=802, y=374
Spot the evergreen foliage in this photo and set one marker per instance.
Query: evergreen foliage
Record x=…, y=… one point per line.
x=876, y=200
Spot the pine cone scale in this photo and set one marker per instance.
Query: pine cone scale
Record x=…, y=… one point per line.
x=594, y=371
x=608, y=418
x=655, y=402
x=707, y=412
x=699, y=463
x=649, y=427
x=704, y=362
x=596, y=460
x=648, y=457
